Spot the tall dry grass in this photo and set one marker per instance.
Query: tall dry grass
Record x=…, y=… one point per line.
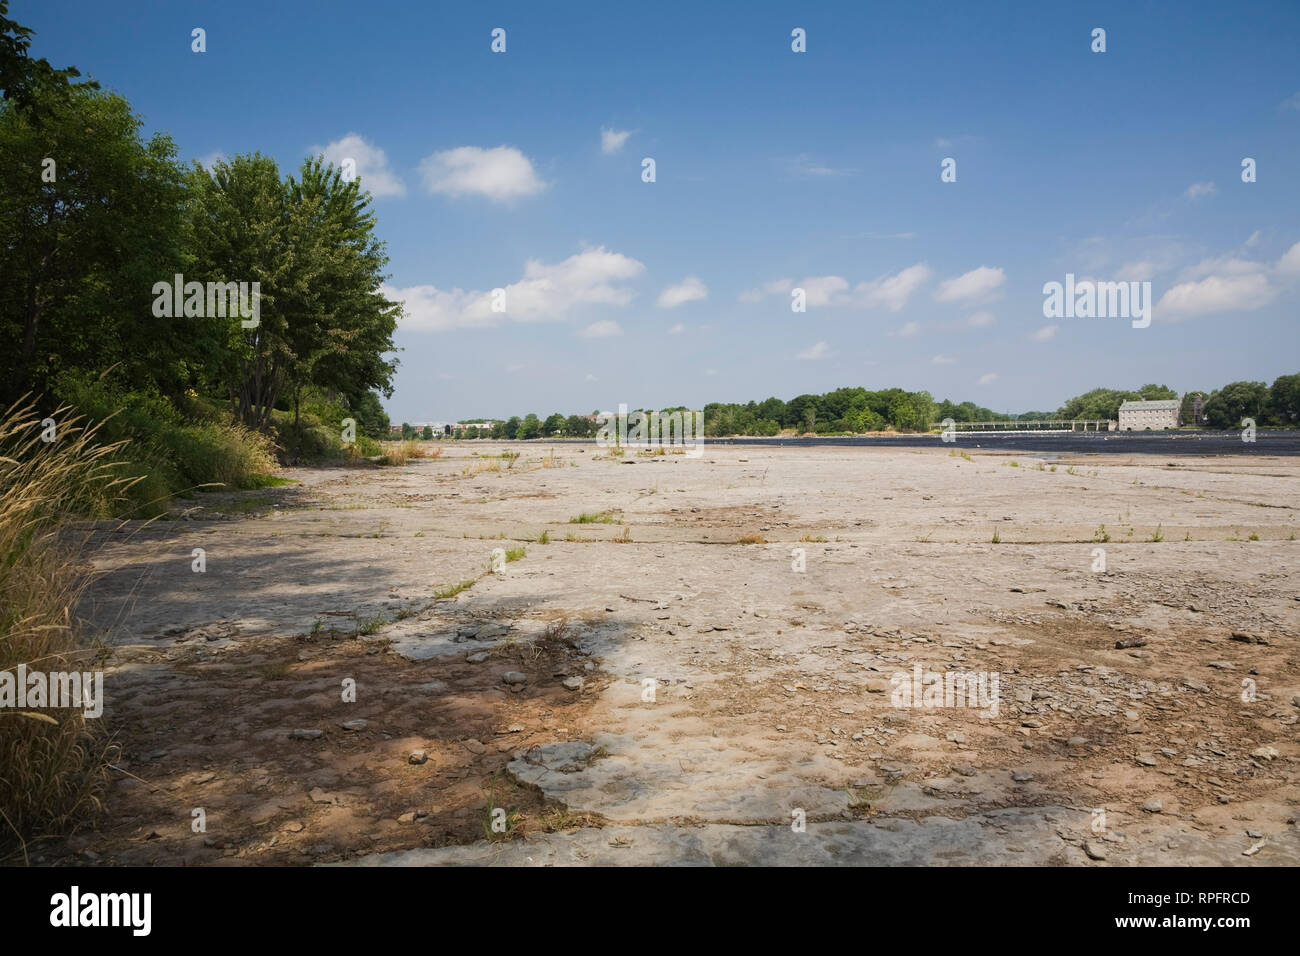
x=53, y=763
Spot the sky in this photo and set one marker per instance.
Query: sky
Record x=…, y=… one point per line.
x=774, y=170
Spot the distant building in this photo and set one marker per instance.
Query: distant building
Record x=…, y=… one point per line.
x=1139, y=416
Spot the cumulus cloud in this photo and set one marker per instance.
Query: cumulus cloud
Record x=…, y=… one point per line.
x=981, y=320
x=909, y=330
x=371, y=164
x=892, y=292
x=1216, y=293
x=689, y=289
x=677, y=329
x=970, y=286
x=612, y=140
x=943, y=360
x=1227, y=284
x=988, y=378
x=1046, y=333
x=1199, y=190
x=1289, y=264
x=544, y=292
x=818, y=351
x=501, y=173
x=603, y=329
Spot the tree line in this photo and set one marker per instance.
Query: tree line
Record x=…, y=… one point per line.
x=857, y=410
x=93, y=216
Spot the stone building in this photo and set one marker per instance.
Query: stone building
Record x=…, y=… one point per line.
x=1139, y=416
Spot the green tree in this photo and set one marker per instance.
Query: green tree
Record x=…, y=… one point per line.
x=553, y=425
x=29, y=85
x=577, y=426
x=82, y=252
x=370, y=415
x=408, y=431
x=510, y=429
x=427, y=434
x=530, y=428
x=1235, y=401
x=1284, y=399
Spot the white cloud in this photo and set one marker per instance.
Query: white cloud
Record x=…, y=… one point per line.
x=603, y=329
x=710, y=371
x=590, y=378
x=820, y=290
x=818, y=351
x=677, y=329
x=209, y=160
x=612, y=140
x=1136, y=272
x=1046, y=333
x=1292, y=102
x=988, y=378
x=971, y=286
x=500, y=173
x=545, y=292
x=371, y=164
x=892, y=292
x=1197, y=190
x=909, y=330
x=1289, y=264
x=1215, y=294
x=981, y=320
x=689, y=289
x=943, y=360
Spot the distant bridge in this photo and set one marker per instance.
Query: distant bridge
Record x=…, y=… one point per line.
x=1050, y=427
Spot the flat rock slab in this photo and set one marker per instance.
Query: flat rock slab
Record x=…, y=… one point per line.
x=1013, y=837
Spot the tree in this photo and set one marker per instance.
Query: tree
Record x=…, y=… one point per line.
x=427, y=434
x=81, y=252
x=1235, y=401
x=510, y=429
x=577, y=426
x=553, y=425
x=309, y=243
x=29, y=84
x=370, y=415
x=408, y=431
x=530, y=428
x=1187, y=410
x=1284, y=399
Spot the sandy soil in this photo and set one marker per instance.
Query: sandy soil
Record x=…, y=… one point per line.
x=771, y=699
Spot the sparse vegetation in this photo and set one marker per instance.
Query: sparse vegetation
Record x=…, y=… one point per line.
x=598, y=517
x=453, y=589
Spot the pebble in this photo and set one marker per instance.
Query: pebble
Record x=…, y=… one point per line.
x=1153, y=806
x=1021, y=776
x=355, y=726
x=514, y=677
x=307, y=734
x=1146, y=760
x=573, y=683
x=417, y=757
x=477, y=658
x=1095, y=850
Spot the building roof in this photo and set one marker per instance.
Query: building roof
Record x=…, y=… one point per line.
x=1162, y=406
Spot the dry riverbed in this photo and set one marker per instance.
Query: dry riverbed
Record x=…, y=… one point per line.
x=666, y=687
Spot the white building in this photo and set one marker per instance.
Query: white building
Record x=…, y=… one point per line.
x=1139, y=416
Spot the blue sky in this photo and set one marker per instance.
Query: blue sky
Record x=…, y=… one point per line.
x=774, y=169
